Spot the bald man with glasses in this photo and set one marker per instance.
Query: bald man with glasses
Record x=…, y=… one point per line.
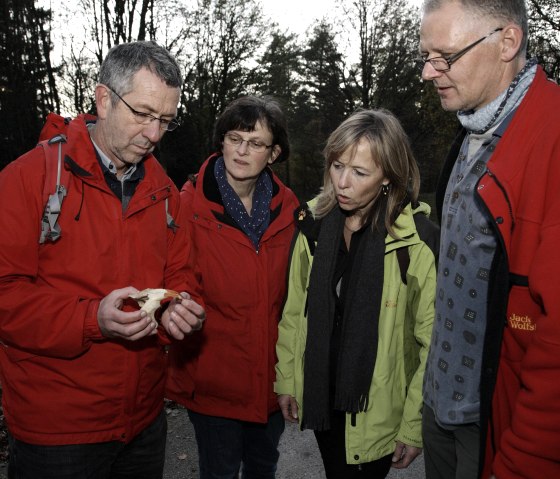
x=491, y=386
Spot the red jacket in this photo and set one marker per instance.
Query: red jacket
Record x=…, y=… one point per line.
x=520, y=382
x=62, y=381
x=228, y=369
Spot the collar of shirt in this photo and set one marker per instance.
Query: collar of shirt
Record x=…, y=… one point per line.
x=108, y=163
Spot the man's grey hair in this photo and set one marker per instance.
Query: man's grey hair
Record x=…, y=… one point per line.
x=124, y=60
x=505, y=11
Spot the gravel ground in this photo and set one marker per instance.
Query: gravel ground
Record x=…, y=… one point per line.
x=299, y=456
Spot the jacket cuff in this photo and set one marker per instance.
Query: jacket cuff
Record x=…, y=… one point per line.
x=91, y=326
x=409, y=440
x=283, y=387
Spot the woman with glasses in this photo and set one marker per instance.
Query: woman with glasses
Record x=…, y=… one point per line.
x=356, y=326
x=241, y=226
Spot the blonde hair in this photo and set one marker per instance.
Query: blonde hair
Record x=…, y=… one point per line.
x=390, y=149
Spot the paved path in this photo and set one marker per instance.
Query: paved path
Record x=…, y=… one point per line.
x=299, y=456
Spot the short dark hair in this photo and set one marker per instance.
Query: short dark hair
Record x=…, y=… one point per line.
x=244, y=113
x=124, y=60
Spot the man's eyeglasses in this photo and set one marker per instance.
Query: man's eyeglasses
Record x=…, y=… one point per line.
x=443, y=64
x=236, y=141
x=146, y=118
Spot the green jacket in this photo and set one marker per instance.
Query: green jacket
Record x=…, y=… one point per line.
x=405, y=327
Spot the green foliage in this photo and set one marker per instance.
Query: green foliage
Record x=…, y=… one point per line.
x=431, y=137
x=386, y=76
x=224, y=38
x=544, y=35
x=279, y=74
x=319, y=108
x=27, y=90
x=229, y=48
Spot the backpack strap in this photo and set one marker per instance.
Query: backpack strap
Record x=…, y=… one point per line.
x=170, y=221
x=57, y=178
x=403, y=257
x=428, y=231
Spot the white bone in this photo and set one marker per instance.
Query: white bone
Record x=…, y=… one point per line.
x=150, y=299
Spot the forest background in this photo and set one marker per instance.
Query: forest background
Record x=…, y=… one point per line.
x=363, y=58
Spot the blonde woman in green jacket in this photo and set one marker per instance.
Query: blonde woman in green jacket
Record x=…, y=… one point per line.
x=357, y=322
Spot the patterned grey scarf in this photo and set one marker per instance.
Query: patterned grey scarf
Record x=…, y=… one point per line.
x=480, y=121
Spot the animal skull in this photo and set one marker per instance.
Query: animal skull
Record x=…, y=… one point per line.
x=150, y=299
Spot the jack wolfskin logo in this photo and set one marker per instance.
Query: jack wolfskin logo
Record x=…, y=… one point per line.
x=390, y=303
x=522, y=322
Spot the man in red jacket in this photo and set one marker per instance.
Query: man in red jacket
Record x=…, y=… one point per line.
x=82, y=367
x=491, y=387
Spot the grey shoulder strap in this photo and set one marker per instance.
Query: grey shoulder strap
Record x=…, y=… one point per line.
x=57, y=175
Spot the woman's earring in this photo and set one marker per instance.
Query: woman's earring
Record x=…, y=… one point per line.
x=385, y=189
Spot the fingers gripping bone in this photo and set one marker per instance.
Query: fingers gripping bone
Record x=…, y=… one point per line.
x=150, y=299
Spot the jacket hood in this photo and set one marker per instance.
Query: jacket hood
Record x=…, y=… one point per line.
x=405, y=226
x=423, y=208
x=207, y=201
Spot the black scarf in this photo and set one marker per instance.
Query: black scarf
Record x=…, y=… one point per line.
x=358, y=343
